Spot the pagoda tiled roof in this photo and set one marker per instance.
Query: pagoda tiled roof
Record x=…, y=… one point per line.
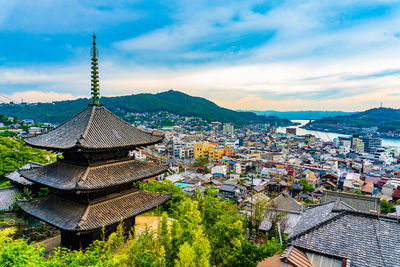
x=72, y=216
x=16, y=177
x=94, y=128
x=67, y=176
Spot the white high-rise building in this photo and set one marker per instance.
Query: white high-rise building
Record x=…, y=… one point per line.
x=228, y=129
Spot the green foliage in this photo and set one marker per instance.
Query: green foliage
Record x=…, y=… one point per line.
x=178, y=196
x=250, y=253
x=8, y=133
x=43, y=191
x=201, y=162
x=260, y=209
x=211, y=190
x=358, y=192
x=14, y=153
x=206, y=231
x=386, y=119
x=306, y=187
x=5, y=184
x=18, y=252
x=167, y=122
x=186, y=256
x=5, y=120
x=387, y=207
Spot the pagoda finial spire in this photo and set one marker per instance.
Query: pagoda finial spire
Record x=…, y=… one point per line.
x=95, y=91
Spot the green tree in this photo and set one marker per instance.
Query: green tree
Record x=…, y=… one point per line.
x=164, y=233
x=201, y=162
x=260, y=209
x=178, y=196
x=205, y=231
x=387, y=207
x=186, y=256
x=14, y=153
x=306, y=187
x=358, y=192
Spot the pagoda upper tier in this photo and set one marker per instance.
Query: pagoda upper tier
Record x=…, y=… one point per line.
x=93, y=129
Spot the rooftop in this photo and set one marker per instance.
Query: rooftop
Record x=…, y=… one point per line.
x=94, y=128
x=7, y=197
x=363, y=238
x=72, y=216
x=65, y=176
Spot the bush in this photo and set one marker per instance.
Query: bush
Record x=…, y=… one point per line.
x=206, y=231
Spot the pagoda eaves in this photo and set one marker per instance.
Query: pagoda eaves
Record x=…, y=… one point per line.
x=66, y=176
x=72, y=216
x=93, y=129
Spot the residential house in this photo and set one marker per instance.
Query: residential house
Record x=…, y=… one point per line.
x=358, y=202
x=221, y=169
x=283, y=203
x=228, y=192
x=345, y=237
x=367, y=188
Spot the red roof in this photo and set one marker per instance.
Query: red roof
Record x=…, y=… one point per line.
x=396, y=193
x=367, y=187
x=330, y=174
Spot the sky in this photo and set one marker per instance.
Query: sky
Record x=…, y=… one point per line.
x=249, y=55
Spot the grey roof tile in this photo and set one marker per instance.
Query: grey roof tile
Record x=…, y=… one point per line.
x=285, y=202
x=313, y=216
x=94, y=128
x=7, y=197
x=66, y=176
x=69, y=215
x=16, y=177
x=363, y=238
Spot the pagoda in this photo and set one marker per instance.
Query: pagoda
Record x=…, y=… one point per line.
x=93, y=181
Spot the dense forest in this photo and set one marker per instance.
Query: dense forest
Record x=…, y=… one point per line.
x=386, y=119
x=204, y=230
x=171, y=101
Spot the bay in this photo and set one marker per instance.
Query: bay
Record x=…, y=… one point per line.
x=328, y=136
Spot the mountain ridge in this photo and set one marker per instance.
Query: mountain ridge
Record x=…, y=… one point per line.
x=301, y=114
x=171, y=101
x=384, y=119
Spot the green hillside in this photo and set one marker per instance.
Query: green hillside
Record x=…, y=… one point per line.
x=300, y=115
x=171, y=101
x=386, y=119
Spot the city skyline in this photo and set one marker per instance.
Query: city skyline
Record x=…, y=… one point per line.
x=252, y=55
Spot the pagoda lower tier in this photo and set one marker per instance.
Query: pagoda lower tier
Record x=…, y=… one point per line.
x=72, y=177
x=80, y=224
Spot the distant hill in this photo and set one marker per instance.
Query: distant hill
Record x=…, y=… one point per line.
x=171, y=101
x=386, y=119
x=300, y=115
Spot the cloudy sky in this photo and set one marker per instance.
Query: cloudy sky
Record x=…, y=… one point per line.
x=261, y=55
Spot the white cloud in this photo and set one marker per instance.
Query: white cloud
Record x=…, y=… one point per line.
x=315, y=59
x=39, y=96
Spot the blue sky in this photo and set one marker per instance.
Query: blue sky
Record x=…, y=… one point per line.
x=282, y=55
